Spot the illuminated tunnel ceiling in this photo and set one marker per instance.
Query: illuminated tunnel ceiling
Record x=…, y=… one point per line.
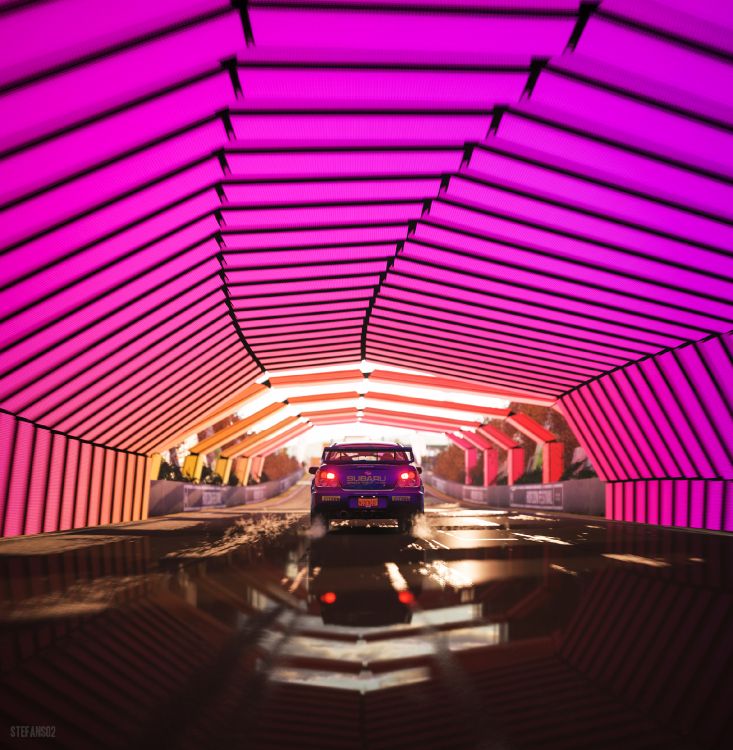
x=522, y=194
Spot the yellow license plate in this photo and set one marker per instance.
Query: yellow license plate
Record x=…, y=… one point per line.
x=367, y=502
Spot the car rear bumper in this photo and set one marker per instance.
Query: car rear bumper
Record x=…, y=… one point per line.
x=395, y=504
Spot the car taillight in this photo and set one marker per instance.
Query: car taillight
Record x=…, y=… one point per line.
x=328, y=598
x=408, y=478
x=326, y=478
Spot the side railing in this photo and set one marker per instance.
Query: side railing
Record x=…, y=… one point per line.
x=173, y=497
x=585, y=496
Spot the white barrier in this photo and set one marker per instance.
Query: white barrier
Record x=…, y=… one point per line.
x=586, y=496
x=173, y=497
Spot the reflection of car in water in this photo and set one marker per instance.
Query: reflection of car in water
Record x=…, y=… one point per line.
x=359, y=581
x=367, y=480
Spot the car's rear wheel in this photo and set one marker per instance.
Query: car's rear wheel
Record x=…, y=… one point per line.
x=406, y=523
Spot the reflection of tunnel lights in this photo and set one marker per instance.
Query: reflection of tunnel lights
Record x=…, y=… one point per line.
x=328, y=598
x=447, y=576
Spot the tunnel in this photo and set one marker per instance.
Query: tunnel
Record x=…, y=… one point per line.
x=235, y=230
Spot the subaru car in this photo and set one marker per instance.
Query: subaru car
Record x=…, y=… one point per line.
x=367, y=481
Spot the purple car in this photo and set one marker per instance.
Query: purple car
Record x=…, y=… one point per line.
x=367, y=480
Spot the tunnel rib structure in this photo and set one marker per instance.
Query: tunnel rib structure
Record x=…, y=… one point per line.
x=532, y=196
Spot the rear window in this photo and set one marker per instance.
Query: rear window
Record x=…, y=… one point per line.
x=367, y=456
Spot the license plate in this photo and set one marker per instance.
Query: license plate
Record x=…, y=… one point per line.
x=367, y=502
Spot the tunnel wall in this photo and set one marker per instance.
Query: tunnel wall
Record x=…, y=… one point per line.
x=51, y=482
x=659, y=432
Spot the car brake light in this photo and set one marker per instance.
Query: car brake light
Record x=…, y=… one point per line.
x=326, y=478
x=406, y=597
x=328, y=598
x=408, y=478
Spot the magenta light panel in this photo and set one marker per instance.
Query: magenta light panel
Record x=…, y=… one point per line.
x=535, y=196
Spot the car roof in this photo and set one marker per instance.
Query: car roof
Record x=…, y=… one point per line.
x=368, y=446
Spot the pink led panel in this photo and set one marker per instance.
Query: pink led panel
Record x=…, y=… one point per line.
x=364, y=83
x=45, y=308
x=704, y=75
x=66, y=97
x=55, y=485
x=248, y=219
x=64, y=487
x=566, y=182
x=390, y=326
x=253, y=193
x=665, y=424
x=610, y=159
x=120, y=225
x=583, y=288
x=41, y=211
x=36, y=39
x=397, y=128
x=291, y=278
x=344, y=162
x=85, y=147
x=406, y=30
x=514, y=209
x=402, y=306
x=52, y=266
x=693, y=141
x=314, y=237
x=123, y=364
x=351, y=280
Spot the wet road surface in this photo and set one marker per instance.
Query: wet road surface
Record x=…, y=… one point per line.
x=481, y=629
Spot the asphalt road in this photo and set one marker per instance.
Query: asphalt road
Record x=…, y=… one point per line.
x=481, y=629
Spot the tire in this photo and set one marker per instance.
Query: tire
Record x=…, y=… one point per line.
x=405, y=524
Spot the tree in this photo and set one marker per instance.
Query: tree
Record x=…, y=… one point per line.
x=552, y=420
x=278, y=465
x=477, y=474
x=450, y=464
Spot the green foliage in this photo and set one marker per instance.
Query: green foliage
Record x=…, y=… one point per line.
x=477, y=474
x=210, y=477
x=170, y=472
x=579, y=470
x=531, y=477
